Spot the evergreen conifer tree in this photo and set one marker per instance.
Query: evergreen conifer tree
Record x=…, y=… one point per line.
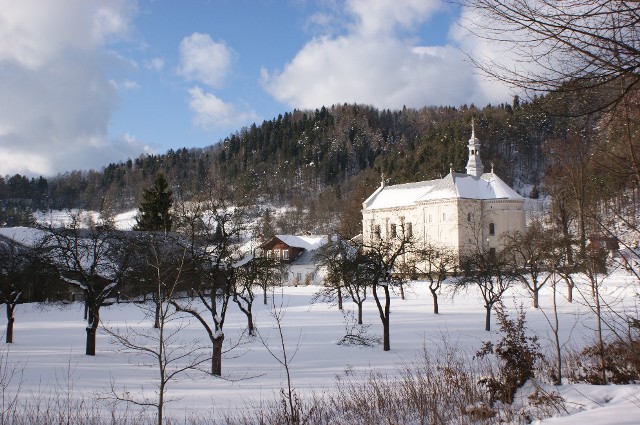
x=266, y=225
x=155, y=209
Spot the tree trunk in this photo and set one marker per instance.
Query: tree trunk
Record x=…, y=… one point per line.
x=384, y=314
x=487, y=319
x=603, y=364
x=359, y=312
x=216, y=357
x=250, y=326
x=156, y=322
x=92, y=327
x=566, y=235
x=247, y=311
x=385, y=319
x=401, y=291
x=161, y=402
x=10, y=320
x=385, y=334
x=264, y=295
x=582, y=228
x=340, y=298
x=558, y=378
x=569, y=292
x=435, y=301
x=91, y=341
x=535, y=297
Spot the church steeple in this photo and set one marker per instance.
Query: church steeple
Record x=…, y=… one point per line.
x=474, y=165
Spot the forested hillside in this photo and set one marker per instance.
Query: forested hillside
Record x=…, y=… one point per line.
x=322, y=164
x=317, y=161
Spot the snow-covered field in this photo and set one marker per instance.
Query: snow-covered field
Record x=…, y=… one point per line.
x=57, y=218
x=49, y=349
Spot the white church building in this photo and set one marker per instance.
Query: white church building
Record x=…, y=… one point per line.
x=461, y=211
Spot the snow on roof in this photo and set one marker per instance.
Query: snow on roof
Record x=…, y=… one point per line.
x=26, y=236
x=454, y=185
x=399, y=194
x=309, y=242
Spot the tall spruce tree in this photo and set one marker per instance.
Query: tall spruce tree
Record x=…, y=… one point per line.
x=155, y=209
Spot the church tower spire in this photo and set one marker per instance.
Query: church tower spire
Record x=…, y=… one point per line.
x=474, y=165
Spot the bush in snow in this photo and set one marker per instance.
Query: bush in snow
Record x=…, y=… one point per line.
x=517, y=353
x=621, y=363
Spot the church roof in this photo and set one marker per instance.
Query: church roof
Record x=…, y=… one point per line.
x=472, y=185
x=453, y=186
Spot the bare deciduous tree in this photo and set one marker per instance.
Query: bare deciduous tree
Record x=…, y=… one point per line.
x=436, y=264
x=573, y=46
x=93, y=259
x=261, y=272
x=331, y=257
x=531, y=254
x=215, y=231
x=19, y=265
x=168, y=353
x=595, y=270
x=291, y=402
x=348, y=273
x=492, y=274
x=383, y=258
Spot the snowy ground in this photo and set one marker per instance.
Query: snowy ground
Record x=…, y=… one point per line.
x=58, y=218
x=49, y=349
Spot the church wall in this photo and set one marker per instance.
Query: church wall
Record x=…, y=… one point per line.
x=440, y=223
x=463, y=225
x=470, y=224
x=483, y=222
x=383, y=220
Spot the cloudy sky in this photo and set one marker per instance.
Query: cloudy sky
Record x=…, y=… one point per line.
x=88, y=82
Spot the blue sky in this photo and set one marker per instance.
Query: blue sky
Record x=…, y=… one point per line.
x=86, y=83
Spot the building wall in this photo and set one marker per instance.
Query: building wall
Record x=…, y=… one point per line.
x=383, y=220
x=304, y=274
x=281, y=251
x=483, y=222
x=459, y=224
x=440, y=223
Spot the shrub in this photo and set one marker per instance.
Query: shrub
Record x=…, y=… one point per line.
x=518, y=354
x=621, y=363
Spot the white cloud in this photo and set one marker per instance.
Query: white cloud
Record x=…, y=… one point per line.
x=110, y=21
x=208, y=62
x=212, y=112
x=14, y=161
x=383, y=17
x=204, y=60
x=33, y=32
x=505, y=48
x=156, y=64
x=124, y=85
x=130, y=144
x=56, y=100
x=377, y=61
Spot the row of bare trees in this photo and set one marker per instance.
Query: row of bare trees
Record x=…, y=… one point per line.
x=198, y=270
x=535, y=258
